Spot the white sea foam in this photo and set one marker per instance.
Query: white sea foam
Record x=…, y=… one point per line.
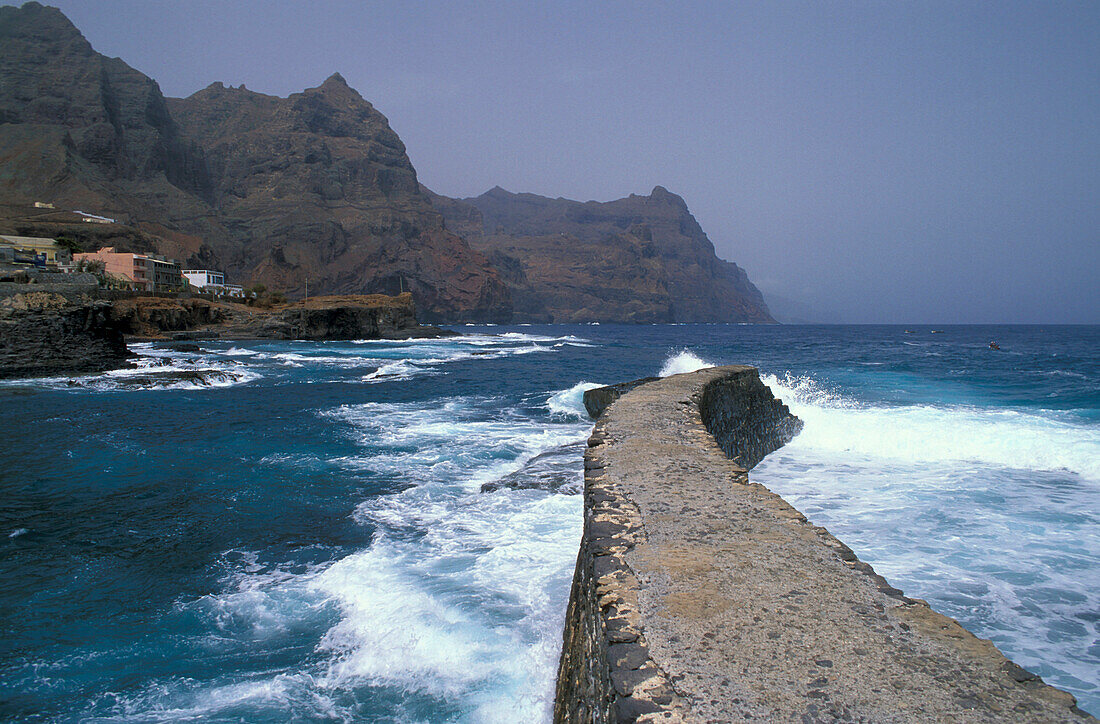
x=990, y=514
x=156, y=371
x=396, y=372
x=570, y=403
x=682, y=361
x=927, y=433
x=461, y=594
x=240, y=352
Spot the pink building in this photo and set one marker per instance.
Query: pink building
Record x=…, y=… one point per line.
x=150, y=273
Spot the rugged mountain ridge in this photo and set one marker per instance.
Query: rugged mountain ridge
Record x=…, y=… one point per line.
x=90, y=132
x=315, y=187
x=636, y=259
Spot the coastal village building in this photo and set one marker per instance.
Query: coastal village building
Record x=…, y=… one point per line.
x=146, y=272
x=205, y=279
x=212, y=281
x=34, y=250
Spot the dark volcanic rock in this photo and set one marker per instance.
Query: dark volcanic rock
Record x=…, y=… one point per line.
x=150, y=316
x=347, y=317
x=556, y=470
x=318, y=318
x=169, y=378
x=45, y=334
x=638, y=259
x=315, y=187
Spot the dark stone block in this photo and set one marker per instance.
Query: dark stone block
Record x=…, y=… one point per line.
x=627, y=656
x=628, y=709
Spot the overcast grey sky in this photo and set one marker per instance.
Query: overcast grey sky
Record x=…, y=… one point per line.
x=876, y=161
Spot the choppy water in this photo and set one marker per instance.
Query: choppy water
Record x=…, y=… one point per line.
x=387, y=530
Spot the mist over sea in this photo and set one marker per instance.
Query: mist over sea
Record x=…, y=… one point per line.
x=386, y=531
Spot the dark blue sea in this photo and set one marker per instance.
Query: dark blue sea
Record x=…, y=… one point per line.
x=386, y=531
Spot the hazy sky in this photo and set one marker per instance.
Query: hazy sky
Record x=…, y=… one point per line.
x=875, y=161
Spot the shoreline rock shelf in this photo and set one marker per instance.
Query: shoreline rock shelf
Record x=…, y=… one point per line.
x=47, y=333
x=342, y=317
x=701, y=597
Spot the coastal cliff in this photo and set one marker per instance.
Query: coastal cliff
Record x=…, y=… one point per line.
x=643, y=259
x=700, y=596
x=45, y=334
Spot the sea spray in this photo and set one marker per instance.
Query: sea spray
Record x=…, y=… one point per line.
x=681, y=362
x=570, y=403
x=989, y=514
x=922, y=434
x=264, y=520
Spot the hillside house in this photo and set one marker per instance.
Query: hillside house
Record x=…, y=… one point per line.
x=145, y=272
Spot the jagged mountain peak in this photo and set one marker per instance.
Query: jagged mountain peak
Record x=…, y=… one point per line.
x=662, y=195
x=314, y=186
x=37, y=21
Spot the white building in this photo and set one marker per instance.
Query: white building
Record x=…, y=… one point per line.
x=210, y=281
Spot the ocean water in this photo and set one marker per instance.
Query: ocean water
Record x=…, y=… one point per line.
x=386, y=531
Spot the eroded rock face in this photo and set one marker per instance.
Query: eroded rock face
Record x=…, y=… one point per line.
x=150, y=316
x=638, y=259
x=315, y=187
x=88, y=132
x=318, y=318
x=44, y=334
x=319, y=187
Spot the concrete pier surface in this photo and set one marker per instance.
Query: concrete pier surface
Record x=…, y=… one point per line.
x=702, y=597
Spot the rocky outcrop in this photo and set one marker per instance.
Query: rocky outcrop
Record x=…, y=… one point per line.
x=700, y=596
x=315, y=188
x=340, y=317
x=317, y=318
x=637, y=259
x=154, y=316
x=45, y=334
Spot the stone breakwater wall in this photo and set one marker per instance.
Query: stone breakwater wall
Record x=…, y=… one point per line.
x=699, y=596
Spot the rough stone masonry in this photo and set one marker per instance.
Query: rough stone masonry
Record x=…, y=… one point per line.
x=701, y=597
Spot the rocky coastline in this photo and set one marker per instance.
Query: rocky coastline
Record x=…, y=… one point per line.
x=700, y=596
x=316, y=319
x=42, y=333
x=48, y=333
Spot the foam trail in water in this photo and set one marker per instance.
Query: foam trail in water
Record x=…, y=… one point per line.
x=460, y=597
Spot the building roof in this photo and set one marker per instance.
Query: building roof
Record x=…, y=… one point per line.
x=36, y=240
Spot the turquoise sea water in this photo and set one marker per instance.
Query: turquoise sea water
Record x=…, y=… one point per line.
x=386, y=531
